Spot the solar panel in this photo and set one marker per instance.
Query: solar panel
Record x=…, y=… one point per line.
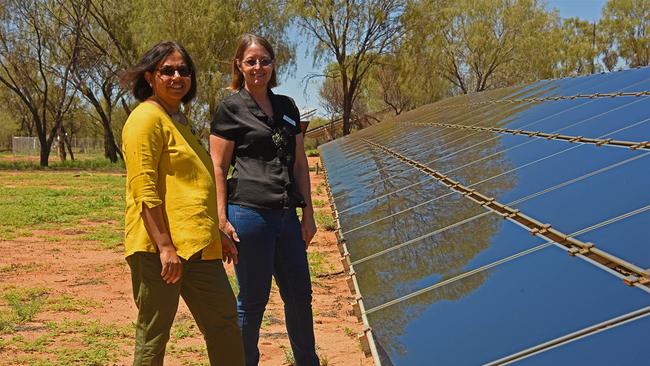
x=436, y=209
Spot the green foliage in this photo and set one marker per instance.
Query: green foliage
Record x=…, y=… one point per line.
x=319, y=203
x=36, y=200
x=110, y=236
x=94, y=163
x=318, y=264
x=69, y=303
x=325, y=221
x=183, y=329
x=477, y=45
x=24, y=302
x=626, y=24
x=289, y=359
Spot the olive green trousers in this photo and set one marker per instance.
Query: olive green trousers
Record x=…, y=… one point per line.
x=204, y=287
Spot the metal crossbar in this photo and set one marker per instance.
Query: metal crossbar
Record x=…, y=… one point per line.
x=634, y=145
x=634, y=275
x=641, y=93
x=514, y=203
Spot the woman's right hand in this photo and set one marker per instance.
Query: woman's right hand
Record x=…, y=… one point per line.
x=229, y=230
x=172, y=267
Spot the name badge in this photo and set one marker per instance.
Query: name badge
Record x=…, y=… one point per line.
x=286, y=118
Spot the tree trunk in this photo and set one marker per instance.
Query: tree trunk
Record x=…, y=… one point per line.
x=60, y=144
x=111, y=151
x=45, y=151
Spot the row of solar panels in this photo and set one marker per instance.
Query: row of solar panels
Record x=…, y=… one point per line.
x=444, y=279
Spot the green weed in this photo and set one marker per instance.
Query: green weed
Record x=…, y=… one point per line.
x=25, y=302
x=312, y=152
x=349, y=332
x=319, y=203
x=183, y=329
x=69, y=303
x=325, y=221
x=110, y=236
x=288, y=356
x=40, y=199
x=318, y=265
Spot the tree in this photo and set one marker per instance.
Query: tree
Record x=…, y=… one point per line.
x=209, y=31
x=38, y=50
x=627, y=24
x=106, y=48
x=482, y=44
x=355, y=33
x=401, y=83
x=581, y=45
x=332, y=97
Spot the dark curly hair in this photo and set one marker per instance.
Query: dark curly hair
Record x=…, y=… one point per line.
x=134, y=76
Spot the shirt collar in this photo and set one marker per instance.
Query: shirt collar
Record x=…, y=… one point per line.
x=251, y=104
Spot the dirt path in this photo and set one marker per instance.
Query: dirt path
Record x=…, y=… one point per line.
x=89, y=310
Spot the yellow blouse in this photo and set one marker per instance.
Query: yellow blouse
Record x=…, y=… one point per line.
x=167, y=165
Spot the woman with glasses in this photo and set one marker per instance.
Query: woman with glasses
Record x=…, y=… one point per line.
x=172, y=240
x=258, y=133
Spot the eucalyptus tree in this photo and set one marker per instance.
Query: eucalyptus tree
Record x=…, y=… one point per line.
x=581, y=44
x=209, y=31
x=627, y=24
x=39, y=46
x=482, y=44
x=354, y=33
x=106, y=48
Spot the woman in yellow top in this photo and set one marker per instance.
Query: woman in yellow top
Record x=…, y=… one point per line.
x=172, y=239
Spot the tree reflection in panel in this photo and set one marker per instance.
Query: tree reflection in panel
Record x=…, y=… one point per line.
x=444, y=280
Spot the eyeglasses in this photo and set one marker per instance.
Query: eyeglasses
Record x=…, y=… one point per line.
x=264, y=62
x=170, y=71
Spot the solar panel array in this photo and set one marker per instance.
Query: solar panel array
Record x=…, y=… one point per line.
x=506, y=226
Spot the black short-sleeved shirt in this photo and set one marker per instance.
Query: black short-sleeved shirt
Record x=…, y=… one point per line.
x=264, y=152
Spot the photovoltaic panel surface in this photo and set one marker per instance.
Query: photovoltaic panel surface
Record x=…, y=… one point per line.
x=436, y=209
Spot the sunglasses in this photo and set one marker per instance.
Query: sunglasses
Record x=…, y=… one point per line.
x=170, y=71
x=264, y=62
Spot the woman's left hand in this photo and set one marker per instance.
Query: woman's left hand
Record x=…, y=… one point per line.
x=228, y=249
x=307, y=227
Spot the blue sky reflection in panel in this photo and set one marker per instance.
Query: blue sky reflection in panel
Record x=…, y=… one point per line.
x=626, y=344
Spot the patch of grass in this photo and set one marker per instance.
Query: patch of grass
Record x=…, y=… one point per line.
x=183, y=329
x=94, y=343
x=349, y=332
x=41, y=199
x=7, y=322
x=71, y=304
x=312, y=152
x=318, y=264
x=289, y=359
x=16, y=267
x=24, y=302
x=110, y=236
x=319, y=203
x=324, y=360
x=92, y=163
x=319, y=188
x=268, y=318
x=325, y=221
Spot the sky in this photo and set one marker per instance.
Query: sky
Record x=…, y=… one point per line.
x=306, y=94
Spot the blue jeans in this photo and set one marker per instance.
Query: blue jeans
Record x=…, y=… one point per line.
x=271, y=245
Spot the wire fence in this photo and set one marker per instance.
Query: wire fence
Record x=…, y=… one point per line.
x=21, y=145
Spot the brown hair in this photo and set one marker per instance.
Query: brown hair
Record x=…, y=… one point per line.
x=243, y=42
x=134, y=75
